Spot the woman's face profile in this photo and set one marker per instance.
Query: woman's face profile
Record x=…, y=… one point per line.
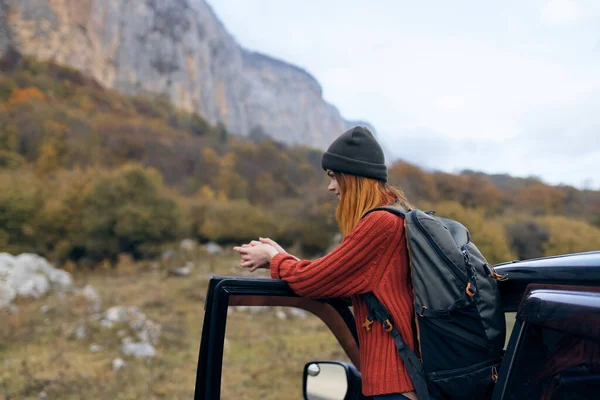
x=333, y=184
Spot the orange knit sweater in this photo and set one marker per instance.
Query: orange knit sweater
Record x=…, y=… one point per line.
x=372, y=258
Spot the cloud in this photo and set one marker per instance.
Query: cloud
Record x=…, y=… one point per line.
x=570, y=131
x=570, y=12
x=560, y=12
x=559, y=144
x=450, y=102
x=503, y=87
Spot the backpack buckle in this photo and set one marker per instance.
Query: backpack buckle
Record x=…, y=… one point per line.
x=470, y=290
x=367, y=324
x=494, y=275
x=387, y=325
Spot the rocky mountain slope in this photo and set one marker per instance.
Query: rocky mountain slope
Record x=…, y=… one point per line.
x=177, y=47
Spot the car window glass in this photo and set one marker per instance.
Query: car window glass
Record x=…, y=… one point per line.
x=510, y=323
x=554, y=363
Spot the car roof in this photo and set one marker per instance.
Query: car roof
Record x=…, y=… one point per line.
x=589, y=258
x=581, y=267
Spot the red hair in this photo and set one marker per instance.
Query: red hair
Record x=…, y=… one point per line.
x=359, y=195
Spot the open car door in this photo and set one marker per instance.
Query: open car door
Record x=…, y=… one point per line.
x=224, y=292
x=554, y=349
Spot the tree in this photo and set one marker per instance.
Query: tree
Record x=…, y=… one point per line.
x=449, y=186
x=58, y=226
x=53, y=148
x=11, y=160
x=126, y=210
x=20, y=200
x=541, y=199
x=487, y=234
x=479, y=191
x=25, y=95
x=209, y=166
x=257, y=134
x=229, y=182
x=569, y=235
x=232, y=222
x=527, y=239
x=416, y=184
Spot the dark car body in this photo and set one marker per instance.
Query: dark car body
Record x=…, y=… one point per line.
x=553, y=349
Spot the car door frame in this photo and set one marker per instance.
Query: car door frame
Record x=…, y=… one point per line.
x=220, y=292
x=542, y=303
x=580, y=271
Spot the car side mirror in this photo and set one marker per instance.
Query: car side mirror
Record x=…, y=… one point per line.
x=331, y=380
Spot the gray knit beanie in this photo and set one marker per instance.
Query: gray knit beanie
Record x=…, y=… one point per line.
x=356, y=152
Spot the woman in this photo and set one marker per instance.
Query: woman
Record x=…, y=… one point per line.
x=373, y=257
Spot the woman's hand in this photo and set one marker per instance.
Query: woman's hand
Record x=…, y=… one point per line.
x=272, y=243
x=256, y=255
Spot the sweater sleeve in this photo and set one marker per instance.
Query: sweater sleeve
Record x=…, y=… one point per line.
x=347, y=270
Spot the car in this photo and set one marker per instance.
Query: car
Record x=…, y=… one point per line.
x=552, y=352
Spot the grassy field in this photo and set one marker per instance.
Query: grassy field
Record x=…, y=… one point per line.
x=264, y=355
x=40, y=357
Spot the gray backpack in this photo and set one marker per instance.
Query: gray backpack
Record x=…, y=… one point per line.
x=460, y=325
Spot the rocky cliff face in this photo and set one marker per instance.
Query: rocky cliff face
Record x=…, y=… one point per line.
x=177, y=47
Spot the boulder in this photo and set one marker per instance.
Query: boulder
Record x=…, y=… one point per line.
x=138, y=350
x=212, y=248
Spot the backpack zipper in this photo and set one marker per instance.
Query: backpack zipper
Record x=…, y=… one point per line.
x=415, y=317
x=458, y=274
x=464, y=370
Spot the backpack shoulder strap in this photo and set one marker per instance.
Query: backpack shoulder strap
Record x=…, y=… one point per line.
x=414, y=366
x=396, y=210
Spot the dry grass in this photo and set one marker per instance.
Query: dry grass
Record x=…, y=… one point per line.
x=264, y=356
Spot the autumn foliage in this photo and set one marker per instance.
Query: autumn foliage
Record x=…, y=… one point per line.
x=88, y=174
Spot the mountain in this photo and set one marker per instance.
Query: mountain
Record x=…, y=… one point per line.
x=176, y=47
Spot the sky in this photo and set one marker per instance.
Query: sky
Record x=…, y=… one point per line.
x=509, y=86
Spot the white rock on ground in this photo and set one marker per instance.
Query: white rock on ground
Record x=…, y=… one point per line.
x=181, y=271
x=145, y=329
x=118, y=363
x=7, y=294
x=213, y=248
x=188, y=245
x=138, y=350
x=29, y=275
x=80, y=332
x=297, y=312
x=253, y=309
x=106, y=323
x=95, y=348
x=6, y=264
x=28, y=283
x=116, y=314
x=40, y=264
x=280, y=314
x=92, y=297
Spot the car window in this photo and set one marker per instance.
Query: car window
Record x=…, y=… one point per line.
x=559, y=356
x=510, y=318
x=266, y=348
